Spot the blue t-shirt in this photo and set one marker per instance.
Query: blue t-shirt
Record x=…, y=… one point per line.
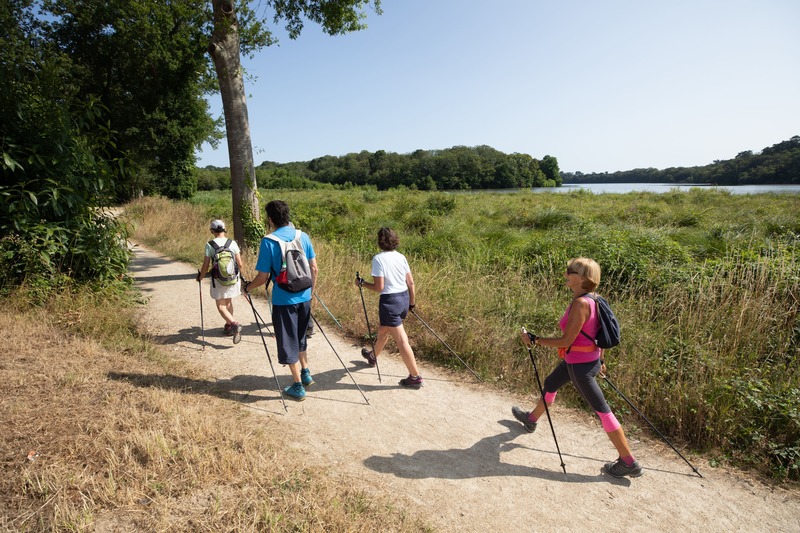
x=270, y=261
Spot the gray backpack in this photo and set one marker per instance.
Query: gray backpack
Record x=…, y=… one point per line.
x=295, y=274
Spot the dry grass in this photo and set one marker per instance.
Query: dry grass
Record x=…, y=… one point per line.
x=125, y=440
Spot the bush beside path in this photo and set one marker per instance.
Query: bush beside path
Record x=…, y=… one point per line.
x=451, y=453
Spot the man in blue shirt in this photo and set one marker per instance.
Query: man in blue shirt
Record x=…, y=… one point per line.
x=291, y=311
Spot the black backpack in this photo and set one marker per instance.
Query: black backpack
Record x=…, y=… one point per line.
x=608, y=335
x=295, y=274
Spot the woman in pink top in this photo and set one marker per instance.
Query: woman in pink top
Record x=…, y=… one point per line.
x=581, y=363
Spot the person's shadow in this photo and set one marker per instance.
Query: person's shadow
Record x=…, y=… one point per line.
x=482, y=459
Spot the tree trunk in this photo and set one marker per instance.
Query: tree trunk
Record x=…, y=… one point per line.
x=224, y=50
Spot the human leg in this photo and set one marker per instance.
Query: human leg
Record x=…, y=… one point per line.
x=552, y=383
x=400, y=337
x=225, y=309
x=380, y=340
x=583, y=376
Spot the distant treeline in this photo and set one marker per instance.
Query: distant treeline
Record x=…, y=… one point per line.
x=459, y=168
x=777, y=164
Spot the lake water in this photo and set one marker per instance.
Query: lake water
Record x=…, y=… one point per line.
x=666, y=187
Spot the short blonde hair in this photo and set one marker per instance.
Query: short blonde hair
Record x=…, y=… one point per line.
x=588, y=269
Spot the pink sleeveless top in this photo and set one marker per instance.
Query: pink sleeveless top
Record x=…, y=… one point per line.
x=589, y=327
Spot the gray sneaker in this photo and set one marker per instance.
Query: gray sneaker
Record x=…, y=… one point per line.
x=619, y=469
x=522, y=416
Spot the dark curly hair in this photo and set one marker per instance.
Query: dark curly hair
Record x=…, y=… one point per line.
x=387, y=239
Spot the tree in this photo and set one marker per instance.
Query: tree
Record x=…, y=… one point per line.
x=549, y=165
x=146, y=63
x=57, y=169
x=334, y=16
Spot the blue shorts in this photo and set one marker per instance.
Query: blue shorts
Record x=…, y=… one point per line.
x=393, y=308
x=290, y=323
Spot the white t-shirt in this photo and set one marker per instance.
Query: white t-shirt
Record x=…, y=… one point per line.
x=392, y=267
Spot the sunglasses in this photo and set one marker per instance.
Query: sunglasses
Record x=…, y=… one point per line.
x=570, y=271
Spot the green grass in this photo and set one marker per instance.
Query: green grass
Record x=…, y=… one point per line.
x=706, y=285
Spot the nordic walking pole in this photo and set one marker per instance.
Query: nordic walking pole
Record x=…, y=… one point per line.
x=546, y=409
x=445, y=344
x=328, y=310
x=339, y=358
x=360, y=281
x=202, y=322
x=255, y=316
x=651, y=425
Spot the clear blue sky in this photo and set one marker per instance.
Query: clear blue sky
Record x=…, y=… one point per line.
x=601, y=85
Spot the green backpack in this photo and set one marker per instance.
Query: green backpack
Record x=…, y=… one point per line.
x=223, y=264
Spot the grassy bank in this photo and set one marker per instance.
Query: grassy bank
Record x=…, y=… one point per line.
x=706, y=285
x=103, y=432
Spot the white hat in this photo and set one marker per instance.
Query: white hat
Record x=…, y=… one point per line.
x=217, y=225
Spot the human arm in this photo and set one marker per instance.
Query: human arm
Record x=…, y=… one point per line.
x=312, y=265
x=239, y=263
x=376, y=284
x=260, y=279
x=203, y=269
x=412, y=294
x=579, y=313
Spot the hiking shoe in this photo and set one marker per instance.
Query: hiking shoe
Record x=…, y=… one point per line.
x=228, y=330
x=295, y=392
x=412, y=382
x=619, y=469
x=305, y=377
x=237, y=332
x=522, y=416
x=367, y=354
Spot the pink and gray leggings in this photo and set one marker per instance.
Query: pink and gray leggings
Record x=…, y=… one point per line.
x=582, y=375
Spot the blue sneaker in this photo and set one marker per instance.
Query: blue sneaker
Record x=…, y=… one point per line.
x=295, y=392
x=305, y=377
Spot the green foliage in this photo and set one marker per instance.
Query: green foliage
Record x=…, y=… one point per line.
x=773, y=422
x=779, y=163
x=146, y=63
x=254, y=229
x=58, y=172
x=456, y=168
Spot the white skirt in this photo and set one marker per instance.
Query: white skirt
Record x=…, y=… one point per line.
x=220, y=291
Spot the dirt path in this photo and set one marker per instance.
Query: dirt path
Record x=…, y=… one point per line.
x=451, y=451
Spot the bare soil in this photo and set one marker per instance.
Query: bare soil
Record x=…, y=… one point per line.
x=451, y=453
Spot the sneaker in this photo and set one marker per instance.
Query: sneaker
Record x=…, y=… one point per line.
x=295, y=392
x=619, y=469
x=228, y=330
x=310, y=330
x=412, y=382
x=522, y=416
x=237, y=332
x=367, y=354
x=305, y=377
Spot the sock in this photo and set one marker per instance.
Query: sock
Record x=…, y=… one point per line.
x=628, y=460
x=531, y=418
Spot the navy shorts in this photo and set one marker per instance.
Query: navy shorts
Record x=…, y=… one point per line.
x=290, y=323
x=393, y=308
